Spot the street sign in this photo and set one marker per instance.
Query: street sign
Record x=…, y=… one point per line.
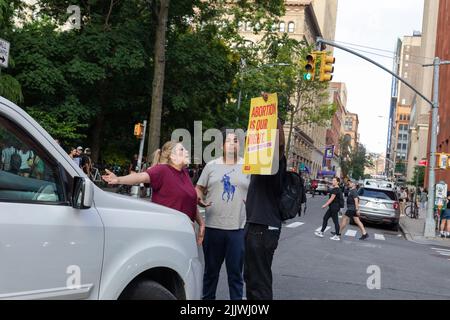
x=4, y=53
x=441, y=190
x=329, y=152
x=423, y=163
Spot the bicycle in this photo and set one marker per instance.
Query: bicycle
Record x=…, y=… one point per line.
x=412, y=210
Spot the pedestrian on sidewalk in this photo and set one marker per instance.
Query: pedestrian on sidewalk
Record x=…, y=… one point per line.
x=403, y=200
x=263, y=227
x=424, y=198
x=445, y=219
x=353, y=211
x=333, y=210
x=170, y=182
x=225, y=187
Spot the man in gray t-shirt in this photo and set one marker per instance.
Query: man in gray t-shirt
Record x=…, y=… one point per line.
x=225, y=187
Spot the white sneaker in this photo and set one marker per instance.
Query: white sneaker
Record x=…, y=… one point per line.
x=335, y=238
x=319, y=234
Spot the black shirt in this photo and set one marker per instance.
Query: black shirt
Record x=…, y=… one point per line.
x=335, y=204
x=263, y=198
x=352, y=195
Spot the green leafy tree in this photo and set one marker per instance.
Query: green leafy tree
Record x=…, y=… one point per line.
x=9, y=86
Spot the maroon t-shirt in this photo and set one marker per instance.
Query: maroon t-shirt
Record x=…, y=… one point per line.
x=174, y=189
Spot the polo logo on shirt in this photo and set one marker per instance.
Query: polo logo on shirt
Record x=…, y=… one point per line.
x=228, y=188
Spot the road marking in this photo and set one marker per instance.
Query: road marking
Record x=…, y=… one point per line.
x=320, y=228
x=379, y=237
x=440, y=249
x=351, y=233
x=295, y=225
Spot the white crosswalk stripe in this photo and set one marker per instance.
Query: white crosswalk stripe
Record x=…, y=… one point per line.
x=295, y=225
x=442, y=252
x=351, y=233
x=379, y=237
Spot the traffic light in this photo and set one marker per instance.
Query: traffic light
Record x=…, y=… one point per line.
x=326, y=67
x=138, y=130
x=310, y=67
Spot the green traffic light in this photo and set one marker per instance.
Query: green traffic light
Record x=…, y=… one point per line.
x=307, y=76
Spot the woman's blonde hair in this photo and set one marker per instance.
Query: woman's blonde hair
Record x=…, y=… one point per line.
x=162, y=156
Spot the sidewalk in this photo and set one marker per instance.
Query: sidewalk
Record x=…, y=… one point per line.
x=413, y=231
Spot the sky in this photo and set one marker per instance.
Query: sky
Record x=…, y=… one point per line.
x=376, y=24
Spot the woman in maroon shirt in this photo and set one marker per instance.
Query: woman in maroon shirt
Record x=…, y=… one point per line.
x=171, y=185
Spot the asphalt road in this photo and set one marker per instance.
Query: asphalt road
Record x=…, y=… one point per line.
x=307, y=267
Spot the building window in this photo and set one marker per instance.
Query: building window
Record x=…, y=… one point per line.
x=406, y=75
x=403, y=101
x=406, y=65
x=282, y=27
x=407, y=57
x=399, y=146
x=291, y=27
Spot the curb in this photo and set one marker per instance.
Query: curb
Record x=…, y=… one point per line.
x=405, y=232
x=420, y=239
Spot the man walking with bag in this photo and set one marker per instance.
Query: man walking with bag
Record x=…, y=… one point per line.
x=334, y=206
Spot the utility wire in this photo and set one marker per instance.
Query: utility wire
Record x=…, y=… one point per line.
x=377, y=49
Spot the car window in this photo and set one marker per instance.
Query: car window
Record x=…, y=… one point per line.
x=378, y=194
x=27, y=173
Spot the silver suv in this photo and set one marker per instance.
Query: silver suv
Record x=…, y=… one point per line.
x=61, y=237
x=379, y=203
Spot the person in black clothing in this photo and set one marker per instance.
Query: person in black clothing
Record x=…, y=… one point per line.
x=353, y=211
x=263, y=228
x=333, y=211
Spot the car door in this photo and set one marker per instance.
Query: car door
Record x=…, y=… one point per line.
x=48, y=249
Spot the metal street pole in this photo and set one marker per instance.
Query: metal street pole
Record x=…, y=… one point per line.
x=430, y=227
x=135, y=189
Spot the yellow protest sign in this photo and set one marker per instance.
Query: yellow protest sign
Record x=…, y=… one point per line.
x=260, y=145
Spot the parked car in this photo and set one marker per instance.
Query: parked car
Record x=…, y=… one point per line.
x=379, y=204
x=323, y=187
x=64, y=238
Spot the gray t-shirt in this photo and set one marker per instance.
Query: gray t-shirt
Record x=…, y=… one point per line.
x=226, y=188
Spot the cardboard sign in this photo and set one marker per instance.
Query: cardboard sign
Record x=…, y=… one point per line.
x=261, y=141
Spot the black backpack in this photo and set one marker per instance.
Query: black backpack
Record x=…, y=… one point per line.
x=292, y=195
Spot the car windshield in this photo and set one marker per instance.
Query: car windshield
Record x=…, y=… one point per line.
x=377, y=194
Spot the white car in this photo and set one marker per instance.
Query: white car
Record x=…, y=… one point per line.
x=61, y=237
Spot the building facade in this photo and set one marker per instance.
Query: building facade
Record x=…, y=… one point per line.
x=351, y=126
x=409, y=68
x=443, y=52
x=420, y=111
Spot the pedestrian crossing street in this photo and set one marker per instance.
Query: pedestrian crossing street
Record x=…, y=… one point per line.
x=350, y=233
x=442, y=252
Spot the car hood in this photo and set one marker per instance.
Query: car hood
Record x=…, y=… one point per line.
x=110, y=200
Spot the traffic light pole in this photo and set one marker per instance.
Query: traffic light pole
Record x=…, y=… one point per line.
x=135, y=189
x=430, y=226
x=321, y=41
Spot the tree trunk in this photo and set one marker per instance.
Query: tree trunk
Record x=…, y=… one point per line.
x=291, y=127
x=96, y=136
x=158, y=78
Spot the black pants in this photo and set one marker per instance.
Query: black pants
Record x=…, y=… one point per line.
x=331, y=213
x=260, y=246
x=220, y=245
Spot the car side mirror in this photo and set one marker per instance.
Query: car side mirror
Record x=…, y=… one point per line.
x=83, y=193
